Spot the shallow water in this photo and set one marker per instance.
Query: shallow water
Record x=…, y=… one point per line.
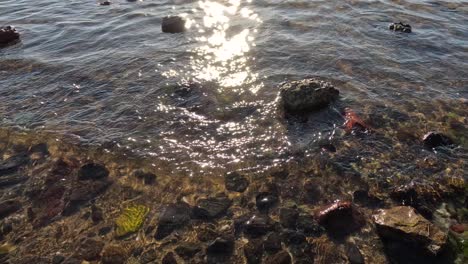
x=107, y=75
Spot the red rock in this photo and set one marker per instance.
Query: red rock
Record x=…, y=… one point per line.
x=458, y=228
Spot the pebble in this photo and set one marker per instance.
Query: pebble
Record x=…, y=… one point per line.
x=221, y=246
x=258, y=225
x=288, y=217
x=114, y=254
x=187, y=250
x=169, y=258
x=9, y=207
x=253, y=251
x=147, y=177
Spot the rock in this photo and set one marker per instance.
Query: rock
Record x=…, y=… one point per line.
x=405, y=194
x=266, y=200
x=47, y=205
x=312, y=191
x=340, y=218
x=173, y=24
x=8, y=207
x=187, y=250
x=12, y=164
x=8, y=34
x=211, y=208
x=253, y=251
x=96, y=214
x=258, y=225
x=104, y=230
x=114, y=254
x=400, y=27
x=328, y=147
x=57, y=259
x=13, y=179
x=272, y=243
x=354, y=255
x=403, y=224
x=104, y=3
x=221, y=246
x=83, y=192
x=172, y=217
x=147, y=177
x=292, y=237
x=435, y=139
x=169, y=258
x=362, y=197
x=206, y=233
x=130, y=220
x=149, y=256
x=92, y=171
x=235, y=182
x=308, y=94
x=288, y=217
x=281, y=257
x=90, y=249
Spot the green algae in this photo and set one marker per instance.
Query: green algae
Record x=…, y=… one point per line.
x=131, y=220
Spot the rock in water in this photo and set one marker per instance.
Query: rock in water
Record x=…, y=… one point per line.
x=8, y=34
x=92, y=171
x=173, y=24
x=235, y=182
x=211, y=208
x=9, y=207
x=308, y=94
x=340, y=218
x=434, y=139
x=402, y=224
x=400, y=27
x=172, y=217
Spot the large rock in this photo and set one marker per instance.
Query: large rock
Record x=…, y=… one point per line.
x=308, y=94
x=403, y=224
x=172, y=217
x=340, y=218
x=8, y=34
x=173, y=24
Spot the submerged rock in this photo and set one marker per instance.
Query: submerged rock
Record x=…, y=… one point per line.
x=187, y=250
x=272, y=243
x=8, y=207
x=354, y=254
x=281, y=257
x=340, y=218
x=12, y=164
x=221, y=246
x=92, y=171
x=130, y=220
x=90, y=249
x=169, y=258
x=308, y=94
x=402, y=224
x=288, y=217
x=147, y=177
x=400, y=27
x=434, y=139
x=211, y=208
x=8, y=34
x=235, y=182
x=173, y=24
x=172, y=217
x=266, y=200
x=114, y=254
x=104, y=3
x=258, y=225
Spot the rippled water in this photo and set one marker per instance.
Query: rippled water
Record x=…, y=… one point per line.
x=107, y=74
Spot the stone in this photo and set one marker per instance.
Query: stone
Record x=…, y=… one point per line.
x=211, y=208
x=340, y=218
x=354, y=254
x=308, y=94
x=149, y=256
x=221, y=246
x=96, y=214
x=435, y=139
x=288, y=217
x=253, y=251
x=281, y=257
x=172, y=217
x=235, y=182
x=187, y=250
x=57, y=259
x=292, y=237
x=147, y=177
x=130, y=220
x=90, y=249
x=114, y=254
x=104, y=230
x=403, y=224
x=12, y=164
x=83, y=192
x=272, y=243
x=104, y=3
x=312, y=191
x=266, y=200
x=9, y=207
x=173, y=24
x=258, y=225
x=13, y=179
x=92, y=171
x=169, y=258
x=400, y=27
x=8, y=35
x=362, y=197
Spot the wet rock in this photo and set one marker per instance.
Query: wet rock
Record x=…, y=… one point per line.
x=402, y=224
x=258, y=225
x=114, y=254
x=169, y=258
x=211, y=208
x=340, y=218
x=187, y=250
x=281, y=257
x=8, y=35
x=312, y=191
x=288, y=217
x=5, y=228
x=435, y=139
x=253, y=251
x=362, y=197
x=354, y=255
x=12, y=164
x=221, y=246
x=147, y=177
x=47, y=205
x=405, y=194
x=104, y=3
x=235, y=182
x=400, y=27
x=149, y=256
x=90, y=249
x=92, y=171
x=73, y=260
x=293, y=237
x=83, y=192
x=172, y=217
x=328, y=147
x=57, y=259
x=96, y=214
x=8, y=207
x=308, y=94
x=173, y=24
x=272, y=243
x=206, y=233
x=266, y=200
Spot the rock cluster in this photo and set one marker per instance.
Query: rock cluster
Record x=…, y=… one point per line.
x=400, y=27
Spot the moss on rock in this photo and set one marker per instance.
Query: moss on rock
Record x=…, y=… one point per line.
x=131, y=220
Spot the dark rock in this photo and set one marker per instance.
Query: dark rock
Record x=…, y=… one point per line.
x=187, y=250
x=105, y=3
x=8, y=34
x=308, y=94
x=5, y=228
x=405, y=194
x=96, y=214
x=114, y=254
x=340, y=218
x=172, y=217
x=328, y=148
x=169, y=258
x=173, y=24
x=266, y=200
x=147, y=177
x=281, y=257
x=149, y=256
x=354, y=255
x=312, y=191
x=13, y=179
x=272, y=243
x=47, y=205
x=253, y=251
x=400, y=27
x=434, y=139
x=258, y=225
x=8, y=207
x=221, y=246
x=235, y=182
x=104, y=230
x=362, y=197
x=207, y=233
x=211, y=208
x=288, y=217
x=82, y=193
x=12, y=164
x=293, y=237
x=39, y=148
x=90, y=249
x=92, y=171
x=57, y=259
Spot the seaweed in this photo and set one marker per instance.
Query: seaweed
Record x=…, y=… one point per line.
x=131, y=220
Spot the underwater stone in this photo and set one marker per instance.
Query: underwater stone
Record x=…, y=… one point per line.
x=173, y=216
x=354, y=255
x=434, y=139
x=149, y=256
x=83, y=192
x=258, y=225
x=253, y=251
x=105, y=3
x=340, y=218
x=173, y=24
x=8, y=207
x=400, y=27
x=8, y=34
x=12, y=180
x=114, y=254
x=266, y=200
x=92, y=171
x=57, y=259
x=308, y=94
x=131, y=220
x=211, y=207
x=96, y=214
x=187, y=250
x=281, y=257
x=235, y=182
x=288, y=217
x=292, y=237
x=12, y=164
x=221, y=246
x=90, y=249
x=169, y=258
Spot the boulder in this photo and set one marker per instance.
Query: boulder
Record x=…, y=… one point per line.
x=173, y=24
x=435, y=139
x=308, y=94
x=8, y=34
x=400, y=27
